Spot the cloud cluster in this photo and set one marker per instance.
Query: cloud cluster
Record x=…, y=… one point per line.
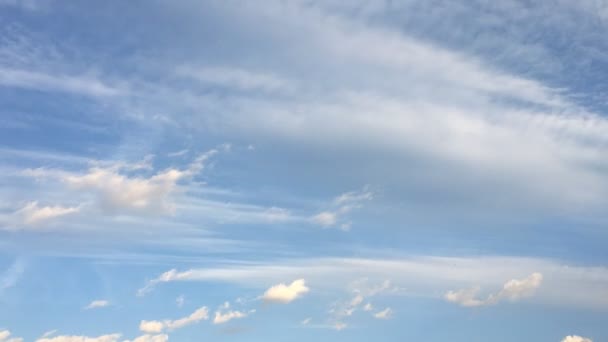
x=512, y=290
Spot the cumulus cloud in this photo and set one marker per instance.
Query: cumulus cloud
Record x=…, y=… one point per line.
x=514, y=289
x=575, y=338
x=75, y=338
x=384, y=314
x=33, y=214
x=100, y=303
x=119, y=190
x=152, y=327
x=282, y=293
x=5, y=336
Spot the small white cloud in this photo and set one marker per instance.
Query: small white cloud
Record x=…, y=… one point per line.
x=340, y=207
x=575, y=338
x=32, y=214
x=221, y=318
x=306, y=321
x=71, y=338
x=368, y=307
x=512, y=290
x=384, y=314
x=325, y=218
x=282, y=293
x=178, y=153
x=152, y=327
x=97, y=304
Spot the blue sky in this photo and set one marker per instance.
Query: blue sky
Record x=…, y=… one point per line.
x=303, y=170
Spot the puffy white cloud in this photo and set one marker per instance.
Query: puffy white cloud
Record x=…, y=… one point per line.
x=575, y=338
x=384, y=314
x=282, y=293
x=120, y=191
x=74, y=338
x=5, y=337
x=200, y=314
x=512, y=290
x=151, y=327
x=100, y=303
x=33, y=214
x=368, y=307
x=306, y=321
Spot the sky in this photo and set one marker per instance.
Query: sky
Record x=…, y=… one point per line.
x=297, y=170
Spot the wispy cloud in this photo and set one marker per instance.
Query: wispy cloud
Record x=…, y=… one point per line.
x=32, y=214
x=75, y=338
x=512, y=290
x=100, y=303
x=11, y=276
x=421, y=276
x=151, y=327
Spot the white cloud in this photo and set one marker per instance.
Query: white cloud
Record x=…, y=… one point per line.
x=100, y=303
x=119, y=191
x=82, y=85
x=306, y=321
x=151, y=338
x=384, y=314
x=325, y=218
x=512, y=290
x=221, y=318
x=237, y=78
x=575, y=338
x=151, y=327
x=75, y=338
x=33, y=214
x=563, y=285
x=5, y=334
x=282, y=293
x=368, y=307
x=341, y=206
x=11, y=276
